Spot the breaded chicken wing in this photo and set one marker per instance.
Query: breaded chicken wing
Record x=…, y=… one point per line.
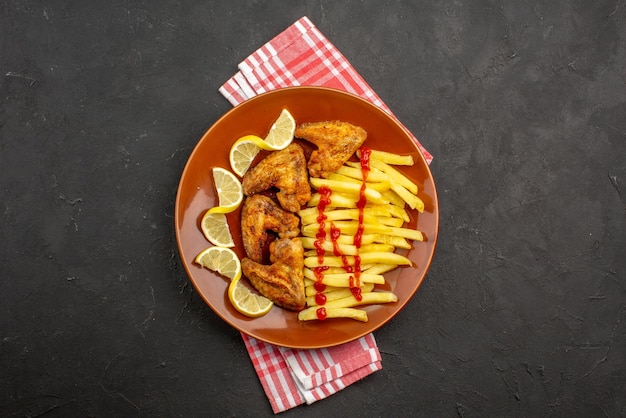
x=283, y=280
x=336, y=142
x=286, y=170
x=259, y=215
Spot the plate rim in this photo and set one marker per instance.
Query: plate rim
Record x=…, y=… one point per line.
x=178, y=231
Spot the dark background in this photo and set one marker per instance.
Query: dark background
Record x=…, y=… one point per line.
x=522, y=103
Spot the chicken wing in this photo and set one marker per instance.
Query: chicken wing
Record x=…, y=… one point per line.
x=336, y=142
x=259, y=215
x=283, y=280
x=286, y=170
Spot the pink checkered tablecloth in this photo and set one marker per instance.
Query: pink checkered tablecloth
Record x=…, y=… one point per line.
x=301, y=55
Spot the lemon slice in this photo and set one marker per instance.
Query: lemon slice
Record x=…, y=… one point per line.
x=246, y=302
x=215, y=228
x=246, y=148
x=243, y=152
x=281, y=132
x=229, y=191
x=221, y=260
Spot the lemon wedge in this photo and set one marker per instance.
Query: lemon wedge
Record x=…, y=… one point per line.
x=243, y=152
x=215, y=228
x=245, y=149
x=248, y=303
x=229, y=191
x=281, y=132
x=221, y=260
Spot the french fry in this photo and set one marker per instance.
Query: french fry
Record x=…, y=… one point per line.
x=310, y=275
x=310, y=314
x=379, y=269
x=357, y=174
x=398, y=212
x=366, y=299
x=381, y=248
x=329, y=249
x=343, y=279
x=343, y=239
x=351, y=188
x=398, y=242
x=340, y=177
x=381, y=225
x=412, y=200
x=339, y=293
x=350, y=227
x=390, y=157
x=341, y=200
x=395, y=175
x=309, y=289
x=393, y=198
x=375, y=257
x=384, y=220
x=347, y=249
x=308, y=216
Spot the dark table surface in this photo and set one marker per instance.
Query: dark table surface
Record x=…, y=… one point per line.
x=523, y=105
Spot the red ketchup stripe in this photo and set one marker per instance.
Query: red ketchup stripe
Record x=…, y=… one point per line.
x=320, y=236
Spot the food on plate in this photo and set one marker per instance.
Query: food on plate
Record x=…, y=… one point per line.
x=259, y=215
x=243, y=152
x=336, y=142
x=310, y=314
x=282, y=281
x=351, y=228
x=221, y=260
x=246, y=148
x=247, y=302
x=214, y=225
x=229, y=191
x=368, y=298
x=285, y=170
x=328, y=249
x=281, y=132
x=215, y=229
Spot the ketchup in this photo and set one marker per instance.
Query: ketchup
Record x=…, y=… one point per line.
x=320, y=236
x=321, y=313
x=335, y=233
x=319, y=276
x=365, y=169
x=320, y=298
x=356, y=292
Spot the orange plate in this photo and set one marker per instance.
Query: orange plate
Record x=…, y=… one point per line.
x=196, y=194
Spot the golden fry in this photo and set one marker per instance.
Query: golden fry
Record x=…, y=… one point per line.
x=308, y=216
x=340, y=293
x=376, y=257
x=352, y=188
x=310, y=314
x=393, y=198
x=343, y=279
x=347, y=249
x=350, y=227
x=340, y=177
x=398, y=242
x=310, y=290
x=387, y=191
x=412, y=200
x=379, y=269
x=357, y=174
x=350, y=249
x=339, y=200
x=395, y=175
x=366, y=299
x=390, y=157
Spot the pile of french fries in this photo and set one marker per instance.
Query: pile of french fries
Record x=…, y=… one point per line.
x=388, y=192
